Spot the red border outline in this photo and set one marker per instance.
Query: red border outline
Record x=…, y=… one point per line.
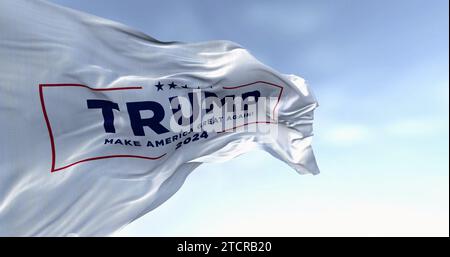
x=50, y=132
x=52, y=141
x=274, y=108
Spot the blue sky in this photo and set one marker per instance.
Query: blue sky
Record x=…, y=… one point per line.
x=380, y=72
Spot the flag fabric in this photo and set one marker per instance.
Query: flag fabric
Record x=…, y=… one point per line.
x=101, y=123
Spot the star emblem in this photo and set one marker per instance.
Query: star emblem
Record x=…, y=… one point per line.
x=159, y=86
x=172, y=85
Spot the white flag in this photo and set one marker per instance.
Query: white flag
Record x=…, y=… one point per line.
x=100, y=123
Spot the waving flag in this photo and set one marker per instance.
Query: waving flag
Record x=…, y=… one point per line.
x=100, y=123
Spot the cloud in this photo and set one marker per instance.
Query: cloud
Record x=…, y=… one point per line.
x=413, y=127
x=347, y=134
